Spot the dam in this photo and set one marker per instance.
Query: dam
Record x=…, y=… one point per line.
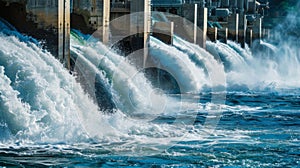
x=161, y=83
x=51, y=20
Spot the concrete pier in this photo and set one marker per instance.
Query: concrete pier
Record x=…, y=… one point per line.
x=199, y=20
x=243, y=30
x=249, y=37
x=147, y=28
x=233, y=27
x=64, y=32
x=195, y=24
x=139, y=41
x=226, y=35
x=215, y=37
x=105, y=21
x=257, y=29
x=203, y=27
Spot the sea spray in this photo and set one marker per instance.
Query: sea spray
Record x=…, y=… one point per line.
x=52, y=104
x=125, y=80
x=260, y=71
x=215, y=75
x=189, y=76
x=230, y=58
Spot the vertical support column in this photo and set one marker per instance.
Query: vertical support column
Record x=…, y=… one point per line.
x=106, y=19
x=64, y=32
x=172, y=32
x=203, y=27
x=67, y=32
x=233, y=27
x=226, y=35
x=237, y=27
x=245, y=30
x=147, y=28
x=257, y=29
x=195, y=23
x=260, y=29
x=215, y=34
x=250, y=37
x=61, y=30
x=243, y=39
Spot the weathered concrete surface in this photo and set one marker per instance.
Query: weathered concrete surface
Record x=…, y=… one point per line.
x=86, y=15
x=164, y=31
x=33, y=19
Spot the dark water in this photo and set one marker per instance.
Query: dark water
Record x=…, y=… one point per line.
x=257, y=129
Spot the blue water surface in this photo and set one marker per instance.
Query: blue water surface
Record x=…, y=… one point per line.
x=257, y=129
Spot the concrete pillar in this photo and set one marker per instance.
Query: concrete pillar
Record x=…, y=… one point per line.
x=226, y=35
x=172, y=32
x=64, y=32
x=249, y=36
x=260, y=29
x=245, y=31
x=233, y=27
x=61, y=37
x=106, y=19
x=138, y=22
x=242, y=35
x=195, y=23
x=237, y=27
x=257, y=29
x=147, y=28
x=203, y=27
x=215, y=34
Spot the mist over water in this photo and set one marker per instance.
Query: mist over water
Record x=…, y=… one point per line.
x=190, y=77
x=277, y=67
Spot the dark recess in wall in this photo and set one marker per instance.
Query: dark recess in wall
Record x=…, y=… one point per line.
x=15, y=13
x=78, y=23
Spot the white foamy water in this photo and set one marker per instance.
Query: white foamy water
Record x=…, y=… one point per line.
x=189, y=76
x=40, y=99
x=278, y=70
x=215, y=74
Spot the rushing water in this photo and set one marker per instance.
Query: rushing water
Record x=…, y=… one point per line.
x=236, y=108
